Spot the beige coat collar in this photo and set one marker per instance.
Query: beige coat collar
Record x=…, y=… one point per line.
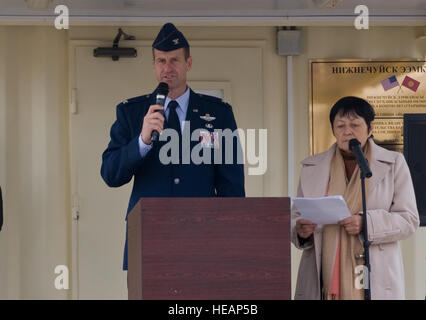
x=316, y=171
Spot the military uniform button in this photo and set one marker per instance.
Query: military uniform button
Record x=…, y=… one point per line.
x=177, y=180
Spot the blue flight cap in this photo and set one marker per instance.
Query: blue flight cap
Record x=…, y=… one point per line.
x=169, y=38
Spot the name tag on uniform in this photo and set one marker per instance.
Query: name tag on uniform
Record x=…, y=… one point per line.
x=209, y=139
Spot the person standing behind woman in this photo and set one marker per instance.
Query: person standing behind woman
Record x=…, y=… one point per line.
x=331, y=253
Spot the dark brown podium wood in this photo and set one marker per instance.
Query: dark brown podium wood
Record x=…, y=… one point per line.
x=209, y=248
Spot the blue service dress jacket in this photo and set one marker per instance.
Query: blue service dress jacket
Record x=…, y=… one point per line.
x=121, y=161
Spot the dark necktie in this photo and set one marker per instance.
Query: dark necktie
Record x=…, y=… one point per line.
x=174, y=123
x=173, y=120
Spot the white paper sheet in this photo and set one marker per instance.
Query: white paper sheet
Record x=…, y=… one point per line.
x=324, y=210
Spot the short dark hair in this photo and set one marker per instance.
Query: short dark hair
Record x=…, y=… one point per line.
x=353, y=105
x=186, y=53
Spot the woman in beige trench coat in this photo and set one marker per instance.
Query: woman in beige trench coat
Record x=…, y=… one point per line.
x=326, y=268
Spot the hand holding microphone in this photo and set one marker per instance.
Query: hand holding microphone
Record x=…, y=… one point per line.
x=153, y=121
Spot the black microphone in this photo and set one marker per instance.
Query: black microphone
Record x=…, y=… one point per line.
x=355, y=147
x=162, y=92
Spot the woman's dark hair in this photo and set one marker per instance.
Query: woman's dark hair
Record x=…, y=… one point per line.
x=355, y=106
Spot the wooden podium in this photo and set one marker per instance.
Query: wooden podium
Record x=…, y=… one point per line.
x=209, y=249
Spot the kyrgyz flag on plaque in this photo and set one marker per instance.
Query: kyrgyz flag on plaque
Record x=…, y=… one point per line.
x=410, y=83
x=390, y=83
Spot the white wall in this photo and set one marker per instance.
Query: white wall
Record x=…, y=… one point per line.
x=34, y=161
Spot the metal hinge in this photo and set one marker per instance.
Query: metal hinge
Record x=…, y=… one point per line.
x=75, y=209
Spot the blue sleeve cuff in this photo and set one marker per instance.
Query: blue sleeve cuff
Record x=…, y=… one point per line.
x=143, y=148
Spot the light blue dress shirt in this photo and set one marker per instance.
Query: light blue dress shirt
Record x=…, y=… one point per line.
x=183, y=102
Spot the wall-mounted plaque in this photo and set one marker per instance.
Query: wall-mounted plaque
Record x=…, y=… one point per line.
x=393, y=87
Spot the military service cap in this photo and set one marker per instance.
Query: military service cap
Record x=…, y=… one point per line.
x=169, y=38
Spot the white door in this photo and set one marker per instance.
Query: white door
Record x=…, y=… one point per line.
x=233, y=70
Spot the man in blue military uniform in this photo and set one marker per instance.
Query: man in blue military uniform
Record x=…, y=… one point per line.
x=131, y=153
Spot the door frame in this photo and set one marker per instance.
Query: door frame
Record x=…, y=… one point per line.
x=73, y=108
